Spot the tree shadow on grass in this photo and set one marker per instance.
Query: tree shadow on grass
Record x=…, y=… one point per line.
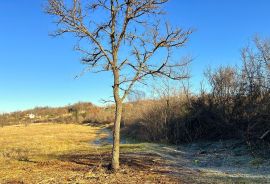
x=136, y=167
x=141, y=161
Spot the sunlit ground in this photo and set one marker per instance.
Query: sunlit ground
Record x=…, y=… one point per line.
x=62, y=153
x=69, y=153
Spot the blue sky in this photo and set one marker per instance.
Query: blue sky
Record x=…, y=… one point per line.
x=37, y=70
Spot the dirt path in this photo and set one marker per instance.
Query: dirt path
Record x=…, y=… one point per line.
x=211, y=162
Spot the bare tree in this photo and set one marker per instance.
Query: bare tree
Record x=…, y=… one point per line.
x=256, y=66
x=223, y=82
x=125, y=41
x=263, y=47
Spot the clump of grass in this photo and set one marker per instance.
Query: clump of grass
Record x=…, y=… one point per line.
x=256, y=162
x=19, y=154
x=196, y=162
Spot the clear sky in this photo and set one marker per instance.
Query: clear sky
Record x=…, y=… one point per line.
x=37, y=70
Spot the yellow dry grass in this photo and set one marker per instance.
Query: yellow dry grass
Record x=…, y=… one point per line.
x=47, y=138
x=62, y=153
x=30, y=154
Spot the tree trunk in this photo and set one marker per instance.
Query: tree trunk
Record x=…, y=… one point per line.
x=116, y=135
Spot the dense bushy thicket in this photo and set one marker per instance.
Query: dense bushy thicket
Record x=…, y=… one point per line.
x=236, y=106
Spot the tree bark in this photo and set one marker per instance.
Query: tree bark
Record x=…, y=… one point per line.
x=117, y=117
x=116, y=135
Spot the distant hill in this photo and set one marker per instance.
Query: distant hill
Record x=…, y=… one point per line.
x=81, y=112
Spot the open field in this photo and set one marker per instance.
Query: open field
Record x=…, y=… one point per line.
x=60, y=153
x=68, y=153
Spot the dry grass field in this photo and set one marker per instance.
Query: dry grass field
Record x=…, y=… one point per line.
x=69, y=153
x=62, y=153
x=29, y=153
